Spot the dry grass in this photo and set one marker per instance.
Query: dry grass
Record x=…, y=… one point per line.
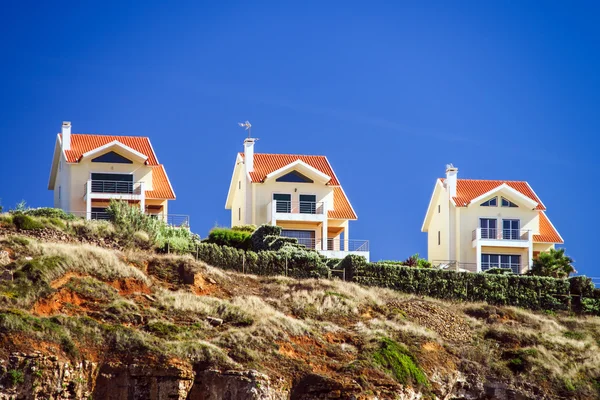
x=87, y=259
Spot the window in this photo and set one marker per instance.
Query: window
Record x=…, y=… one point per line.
x=239, y=184
x=439, y=208
x=489, y=228
x=295, y=177
x=439, y=238
x=60, y=165
x=490, y=203
x=112, y=157
x=508, y=203
x=59, y=194
x=99, y=213
x=509, y=261
x=308, y=204
x=283, y=202
x=240, y=214
x=511, y=229
x=305, y=238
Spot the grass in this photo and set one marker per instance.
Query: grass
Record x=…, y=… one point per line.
x=398, y=361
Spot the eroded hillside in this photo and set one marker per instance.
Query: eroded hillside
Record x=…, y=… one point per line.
x=81, y=321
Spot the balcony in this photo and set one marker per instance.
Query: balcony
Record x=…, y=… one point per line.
x=113, y=189
x=278, y=210
x=501, y=237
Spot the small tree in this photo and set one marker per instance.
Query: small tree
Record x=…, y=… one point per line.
x=554, y=263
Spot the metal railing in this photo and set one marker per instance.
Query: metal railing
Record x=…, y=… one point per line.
x=501, y=234
x=335, y=244
x=453, y=265
x=298, y=207
x=113, y=187
x=516, y=268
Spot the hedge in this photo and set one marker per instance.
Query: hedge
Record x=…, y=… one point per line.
x=537, y=293
x=229, y=237
x=297, y=264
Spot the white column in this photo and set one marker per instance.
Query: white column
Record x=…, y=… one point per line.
x=143, y=197
x=273, y=212
x=88, y=200
x=530, y=252
x=324, y=235
x=478, y=256
x=346, y=235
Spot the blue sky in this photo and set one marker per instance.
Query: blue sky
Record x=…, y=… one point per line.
x=390, y=93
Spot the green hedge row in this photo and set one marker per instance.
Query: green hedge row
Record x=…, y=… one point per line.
x=531, y=292
x=297, y=264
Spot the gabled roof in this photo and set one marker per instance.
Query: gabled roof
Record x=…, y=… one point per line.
x=469, y=189
x=88, y=145
x=548, y=233
x=84, y=143
x=265, y=164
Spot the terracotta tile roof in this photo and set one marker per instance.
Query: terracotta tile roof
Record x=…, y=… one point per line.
x=469, y=189
x=264, y=164
x=547, y=232
x=161, y=187
x=82, y=143
x=342, y=208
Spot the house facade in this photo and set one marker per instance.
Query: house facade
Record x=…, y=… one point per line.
x=475, y=225
x=90, y=170
x=299, y=193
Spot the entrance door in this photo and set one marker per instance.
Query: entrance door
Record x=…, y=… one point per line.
x=308, y=204
x=511, y=229
x=283, y=202
x=488, y=228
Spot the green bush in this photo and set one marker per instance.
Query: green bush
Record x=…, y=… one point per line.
x=499, y=271
x=239, y=239
x=48, y=212
x=294, y=263
x=260, y=234
x=538, y=293
x=244, y=228
x=26, y=223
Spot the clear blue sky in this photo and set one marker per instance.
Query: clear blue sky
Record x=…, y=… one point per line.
x=389, y=93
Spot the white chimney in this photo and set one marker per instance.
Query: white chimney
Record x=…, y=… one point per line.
x=66, y=135
x=451, y=178
x=249, y=154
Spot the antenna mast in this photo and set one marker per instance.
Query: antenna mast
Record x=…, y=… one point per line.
x=247, y=126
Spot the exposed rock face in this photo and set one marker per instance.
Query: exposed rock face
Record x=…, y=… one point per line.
x=233, y=385
x=35, y=376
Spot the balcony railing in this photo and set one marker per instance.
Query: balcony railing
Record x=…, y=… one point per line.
x=298, y=207
x=515, y=268
x=501, y=234
x=335, y=244
x=113, y=187
x=452, y=265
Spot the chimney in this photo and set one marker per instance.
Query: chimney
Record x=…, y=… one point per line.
x=451, y=178
x=66, y=135
x=249, y=154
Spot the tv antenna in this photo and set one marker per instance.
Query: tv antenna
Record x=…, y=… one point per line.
x=247, y=126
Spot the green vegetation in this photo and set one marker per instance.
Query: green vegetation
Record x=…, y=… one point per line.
x=240, y=239
x=16, y=377
x=399, y=362
x=554, y=263
x=26, y=223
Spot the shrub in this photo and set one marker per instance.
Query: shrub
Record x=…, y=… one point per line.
x=499, y=271
x=399, y=362
x=554, y=263
x=16, y=377
x=260, y=234
x=239, y=239
x=48, y=212
x=416, y=261
x=26, y=223
x=244, y=228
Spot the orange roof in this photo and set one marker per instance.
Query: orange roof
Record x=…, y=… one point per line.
x=264, y=164
x=82, y=143
x=469, y=189
x=547, y=232
x=161, y=187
